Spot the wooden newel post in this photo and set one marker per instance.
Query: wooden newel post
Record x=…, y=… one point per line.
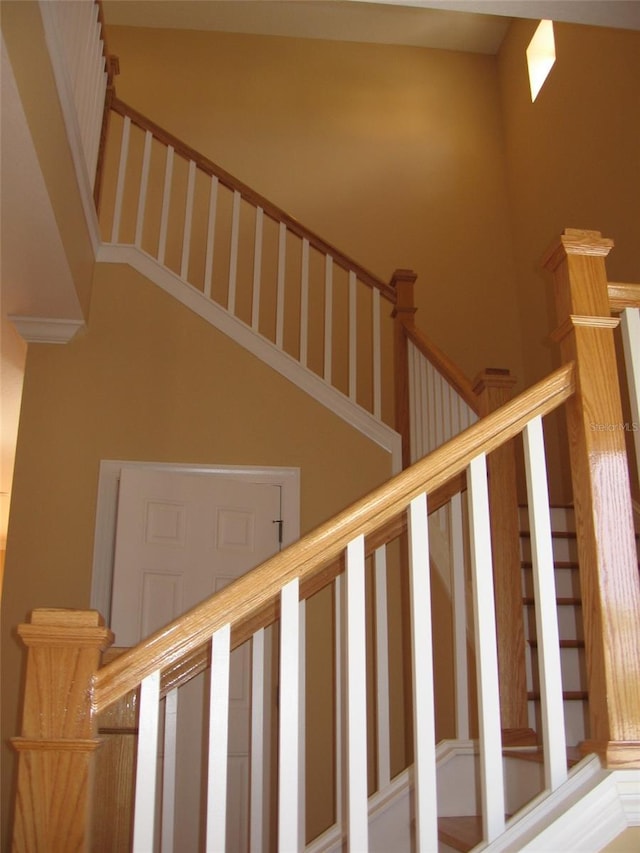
x=403, y=314
x=602, y=498
x=493, y=388
x=58, y=740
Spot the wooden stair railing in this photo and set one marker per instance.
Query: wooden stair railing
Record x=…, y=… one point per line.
x=252, y=601
x=247, y=255
x=434, y=402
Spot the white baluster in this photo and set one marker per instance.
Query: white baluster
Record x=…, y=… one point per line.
x=339, y=621
x=188, y=219
x=211, y=235
x=630, y=322
x=304, y=302
x=302, y=758
x=218, y=740
x=166, y=203
x=144, y=182
x=425, y=793
x=546, y=610
x=382, y=667
x=328, y=316
x=169, y=770
x=353, y=336
x=376, y=355
x=461, y=667
x=431, y=408
x=257, y=267
x=288, y=793
x=233, y=258
x=282, y=249
x=95, y=123
x=424, y=411
x=256, y=840
x=414, y=405
x=448, y=393
x=146, y=765
x=122, y=170
x=356, y=699
x=491, y=771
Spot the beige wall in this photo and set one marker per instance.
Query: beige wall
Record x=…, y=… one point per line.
x=573, y=161
x=393, y=154
x=151, y=381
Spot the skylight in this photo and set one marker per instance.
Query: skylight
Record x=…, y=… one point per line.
x=541, y=54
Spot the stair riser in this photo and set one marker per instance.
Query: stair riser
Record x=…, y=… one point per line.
x=572, y=663
x=564, y=549
x=569, y=623
x=562, y=518
x=576, y=721
x=567, y=583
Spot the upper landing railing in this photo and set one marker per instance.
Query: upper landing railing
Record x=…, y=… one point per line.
x=75, y=39
x=299, y=294
x=248, y=256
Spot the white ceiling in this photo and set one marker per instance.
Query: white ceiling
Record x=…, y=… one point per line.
x=469, y=25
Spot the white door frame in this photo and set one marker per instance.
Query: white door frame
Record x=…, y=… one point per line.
x=107, y=506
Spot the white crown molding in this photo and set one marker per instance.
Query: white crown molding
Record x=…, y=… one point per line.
x=45, y=330
x=334, y=400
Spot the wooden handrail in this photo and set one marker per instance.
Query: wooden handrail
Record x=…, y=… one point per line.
x=250, y=195
x=443, y=364
x=623, y=296
x=251, y=594
x=199, y=659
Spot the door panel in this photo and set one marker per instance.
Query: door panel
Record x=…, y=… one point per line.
x=179, y=538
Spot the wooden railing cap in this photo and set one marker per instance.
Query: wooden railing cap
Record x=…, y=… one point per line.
x=576, y=241
x=62, y=617
x=493, y=377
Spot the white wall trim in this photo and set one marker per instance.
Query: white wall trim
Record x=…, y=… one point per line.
x=190, y=297
x=107, y=507
x=46, y=330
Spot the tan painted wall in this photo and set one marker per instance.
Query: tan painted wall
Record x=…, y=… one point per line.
x=573, y=161
x=393, y=154
x=152, y=381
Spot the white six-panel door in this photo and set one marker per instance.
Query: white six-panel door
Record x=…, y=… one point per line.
x=179, y=538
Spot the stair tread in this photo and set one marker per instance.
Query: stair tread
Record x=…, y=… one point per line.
x=561, y=602
x=568, y=695
x=555, y=534
x=564, y=644
x=557, y=564
x=537, y=755
x=462, y=832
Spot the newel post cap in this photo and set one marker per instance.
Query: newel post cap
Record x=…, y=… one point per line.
x=402, y=281
x=576, y=241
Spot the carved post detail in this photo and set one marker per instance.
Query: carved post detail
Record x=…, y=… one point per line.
x=403, y=314
x=602, y=497
x=58, y=741
x=493, y=388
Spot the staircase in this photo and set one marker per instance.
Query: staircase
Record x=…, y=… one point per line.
x=567, y=581
x=460, y=794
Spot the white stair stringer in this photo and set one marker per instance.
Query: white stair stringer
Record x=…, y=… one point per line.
x=257, y=345
x=582, y=816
